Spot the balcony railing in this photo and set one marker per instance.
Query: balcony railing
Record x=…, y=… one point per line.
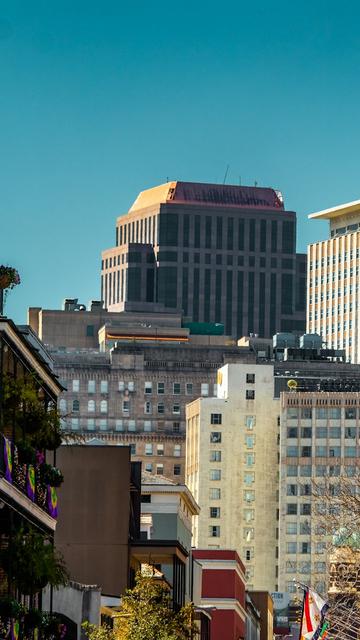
x=26, y=478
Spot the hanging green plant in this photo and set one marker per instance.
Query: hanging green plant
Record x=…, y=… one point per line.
x=31, y=562
x=26, y=452
x=10, y=608
x=50, y=475
x=32, y=619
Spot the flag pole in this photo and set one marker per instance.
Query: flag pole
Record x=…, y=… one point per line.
x=305, y=588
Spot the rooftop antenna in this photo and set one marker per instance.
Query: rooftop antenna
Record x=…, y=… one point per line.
x=256, y=184
x=226, y=172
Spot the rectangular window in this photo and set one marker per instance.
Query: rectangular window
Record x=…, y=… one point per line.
x=204, y=389
x=250, y=422
x=215, y=437
x=215, y=474
x=161, y=407
x=121, y=385
x=147, y=408
x=148, y=449
x=91, y=386
x=215, y=418
x=103, y=386
x=126, y=406
x=189, y=389
x=291, y=509
x=119, y=425
x=214, y=494
x=291, y=547
x=214, y=512
x=230, y=234
x=291, y=528
x=159, y=469
x=208, y=232
x=147, y=425
x=160, y=449
x=161, y=388
x=177, y=469
x=215, y=456
x=103, y=424
x=76, y=386
x=148, y=387
x=250, y=378
x=177, y=450
x=176, y=409
x=176, y=388
x=214, y=532
x=292, y=452
x=250, y=394
x=91, y=424
x=219, y=232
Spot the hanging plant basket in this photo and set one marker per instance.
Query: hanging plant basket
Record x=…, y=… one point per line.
x=26, y=453
x=10, y=608
x=50, y=475
x=9, y=277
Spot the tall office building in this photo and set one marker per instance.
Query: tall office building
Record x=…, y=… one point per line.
x=333, y=274
x=219, y=253
x=237, y=442
x=319, y=443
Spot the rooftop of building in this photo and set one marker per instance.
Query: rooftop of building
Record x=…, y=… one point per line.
x=200, y=193
x=337, y=212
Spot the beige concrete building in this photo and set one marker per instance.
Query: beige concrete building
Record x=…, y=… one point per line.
x=319, y=440
x=333, y=280
x=129, y=381
x=232, y=468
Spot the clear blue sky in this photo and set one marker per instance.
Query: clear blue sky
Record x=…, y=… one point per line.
x=102, y=99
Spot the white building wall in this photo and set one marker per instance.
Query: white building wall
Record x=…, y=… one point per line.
x=238, y=475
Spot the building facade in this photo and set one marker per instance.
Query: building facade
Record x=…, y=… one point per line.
x=319, y=443
x=218, y=582
x=130, y=380
x=220, y=253
x=234, y=457
x=333, y=280
x=232, y=468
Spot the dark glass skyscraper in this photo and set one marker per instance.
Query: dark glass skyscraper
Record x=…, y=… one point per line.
x=220, y=253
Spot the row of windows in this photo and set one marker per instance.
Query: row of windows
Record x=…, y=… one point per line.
x=293, y=508
x=293, y=528
x=301, y=547
x=149, y=387
x=339, y=257
x=119, y=425
x=158, y=449
x=322, y=413
x=125, y=406
x=322, y=432
x=159, y=469
x=320, y=452
x=292, y=471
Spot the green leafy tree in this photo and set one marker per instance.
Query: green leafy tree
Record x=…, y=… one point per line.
x=147, y=614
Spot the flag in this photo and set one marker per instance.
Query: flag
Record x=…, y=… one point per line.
x=52, y=501
x=14, y=630
x=314, y=609
x=324, y=631
x=30, y=482
x=8, y=459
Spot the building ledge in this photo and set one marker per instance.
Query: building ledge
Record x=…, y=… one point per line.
x=15, y=498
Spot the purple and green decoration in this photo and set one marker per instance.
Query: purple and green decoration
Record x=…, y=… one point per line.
x=8, y=460
x=15, y=630
x=52, y=501
x=30, y=482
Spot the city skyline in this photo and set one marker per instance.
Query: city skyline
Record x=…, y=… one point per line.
x=99, y=105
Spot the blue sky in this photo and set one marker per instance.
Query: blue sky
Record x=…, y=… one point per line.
x=102, y=99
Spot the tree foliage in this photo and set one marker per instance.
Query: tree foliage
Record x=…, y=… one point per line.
x=147, y=614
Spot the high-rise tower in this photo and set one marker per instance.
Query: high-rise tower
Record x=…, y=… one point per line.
x=219, y=253
x=333, y=276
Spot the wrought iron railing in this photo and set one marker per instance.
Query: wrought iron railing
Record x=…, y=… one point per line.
x=25, y=477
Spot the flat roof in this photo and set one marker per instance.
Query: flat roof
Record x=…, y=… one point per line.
x=338, y=211
x=201, y=193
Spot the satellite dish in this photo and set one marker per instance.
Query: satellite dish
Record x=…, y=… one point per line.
x=292, y=384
